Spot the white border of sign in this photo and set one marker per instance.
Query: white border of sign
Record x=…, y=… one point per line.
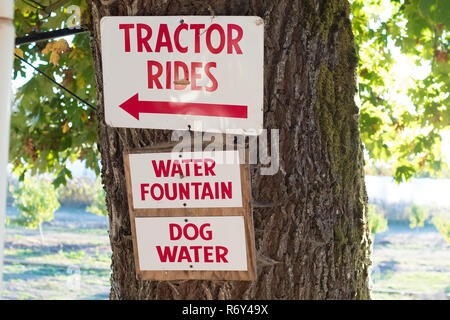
x=239, y=76
x=154, y=232
x=143, y=173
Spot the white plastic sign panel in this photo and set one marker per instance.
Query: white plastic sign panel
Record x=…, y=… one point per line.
x=201, y=73
x=191, y=243
x=185, y=179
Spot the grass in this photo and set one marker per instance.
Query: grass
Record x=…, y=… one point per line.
x=78, y=230
x=72, y=239
x=410, y=264
x=426, y=282
x=78, y=257
x=390, y=296
x=46, y=282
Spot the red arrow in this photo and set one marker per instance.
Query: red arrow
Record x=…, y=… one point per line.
x=134, y=107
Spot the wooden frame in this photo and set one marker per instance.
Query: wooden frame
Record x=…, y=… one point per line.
x=245, y=211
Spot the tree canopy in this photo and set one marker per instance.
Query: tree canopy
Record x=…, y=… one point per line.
x=50, y=127
x=37, y=200
x=402, y=115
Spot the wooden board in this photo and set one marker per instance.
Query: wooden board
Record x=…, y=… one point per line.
x=245, y=211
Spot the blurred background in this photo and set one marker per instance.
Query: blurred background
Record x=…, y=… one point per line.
x=70, y=257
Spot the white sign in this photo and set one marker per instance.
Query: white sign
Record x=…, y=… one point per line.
x=200, y=73
x=191, y=243
x=186, y=180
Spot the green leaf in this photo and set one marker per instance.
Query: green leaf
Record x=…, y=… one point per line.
x=403, y=173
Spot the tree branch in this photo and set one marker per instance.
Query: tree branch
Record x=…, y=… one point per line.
x=34, y=37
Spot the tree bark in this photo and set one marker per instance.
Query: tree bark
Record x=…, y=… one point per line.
x=314, y=244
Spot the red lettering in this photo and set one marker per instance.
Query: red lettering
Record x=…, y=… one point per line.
x=207, y=192
x=184, y=191
x=219, y=49
x=197, y=167
x=167, y=253
x=196, y=252
x=196, y=185
x=172, y=228
x=176, y=67
x=161, y=191
x=182, y=26
x=226, y=190
x=176, y=169
x=234, y=42
x=216, y=188
x=143, y=41
x=195, y=75
x=161, y=168
x=187, y=161
x=206, y=235
x=197, y=28
x=126, y=27
x=221, y=252
x=215, y=84
x=184, y=254
x=168, y=75
x=166, y=191
x=143, y=190
x=155, y=71
x=215, y=38
x=154, y=77
x=163, y=32
x=207, y=253
x=193, y=227
x=209, y=167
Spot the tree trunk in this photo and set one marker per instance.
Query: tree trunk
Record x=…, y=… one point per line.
x=316, y=237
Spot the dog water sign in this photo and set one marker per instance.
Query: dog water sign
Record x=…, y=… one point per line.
x=191, y=243
x=201, y=73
